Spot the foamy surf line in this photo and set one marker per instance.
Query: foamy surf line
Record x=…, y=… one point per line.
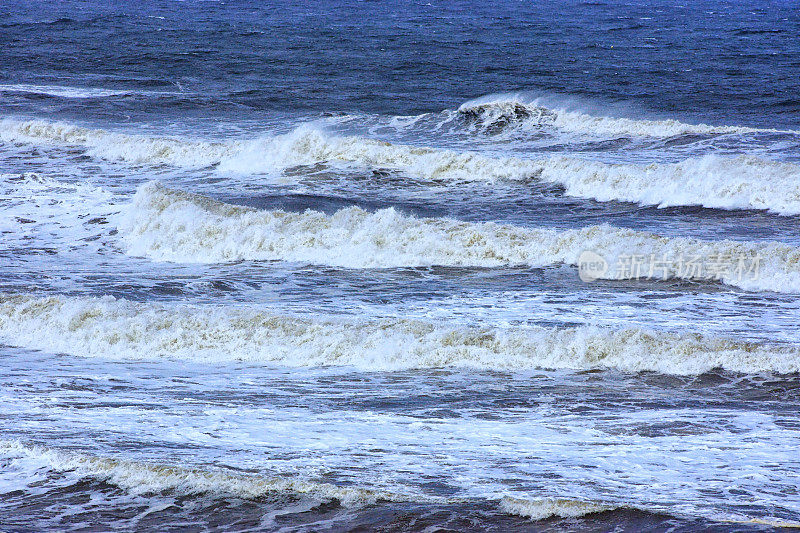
x=541, y=509
x=743, y=182
x=168, y=225
x=143, y=478
x=139, y=477
x=120, y=329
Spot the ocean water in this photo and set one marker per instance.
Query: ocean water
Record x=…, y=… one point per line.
x=440, y=266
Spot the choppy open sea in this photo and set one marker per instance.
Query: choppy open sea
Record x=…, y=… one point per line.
x=399, y=266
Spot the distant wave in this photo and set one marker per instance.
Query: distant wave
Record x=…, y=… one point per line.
x=743, y=182
x=498, y=113
x=63, y=91
x=104, y=144
x=120, y=329
x=169, y=225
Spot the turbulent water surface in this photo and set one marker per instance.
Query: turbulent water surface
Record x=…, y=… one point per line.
x=457, y=266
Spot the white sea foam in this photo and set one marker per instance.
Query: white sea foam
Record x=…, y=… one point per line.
x=743, y=182
x=120, y=329
x=40, y=211
x=168, y=225
x=498, y=112
x=147, y=478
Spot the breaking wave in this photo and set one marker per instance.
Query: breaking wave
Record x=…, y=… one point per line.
x=121, y=329
x=549, y=507
x=168, y=225
x=497, y=113
x=743, y=182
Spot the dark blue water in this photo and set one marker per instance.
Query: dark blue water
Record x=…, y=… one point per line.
x=718, y=62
